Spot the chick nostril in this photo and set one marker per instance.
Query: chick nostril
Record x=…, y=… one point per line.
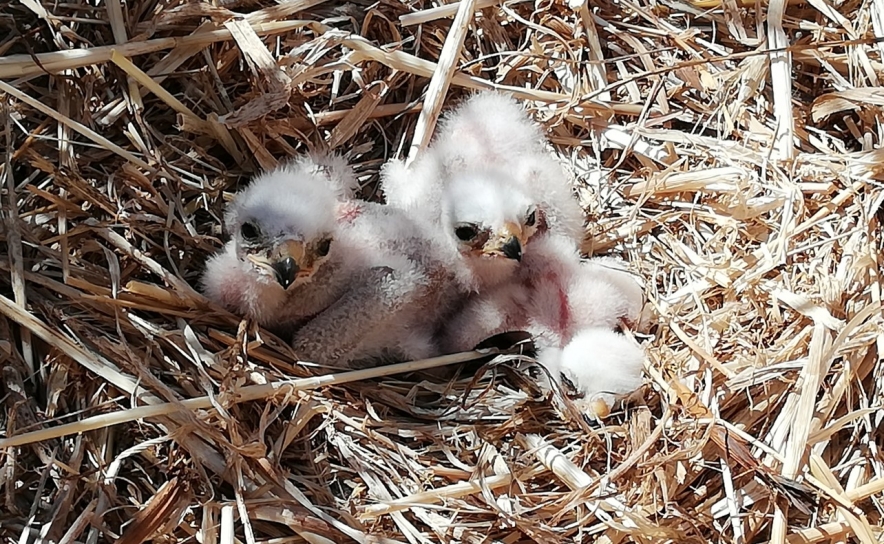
x=286, y=271
x=512, y=249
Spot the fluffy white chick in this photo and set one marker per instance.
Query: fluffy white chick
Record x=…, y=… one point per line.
x=574, y=310
x=349, y=281
x=488, y=135
x=566, y=305
x=284, y=261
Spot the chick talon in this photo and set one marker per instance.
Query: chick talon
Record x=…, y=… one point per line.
x=598, y=408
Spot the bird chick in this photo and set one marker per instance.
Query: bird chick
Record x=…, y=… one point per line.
x=565, y=304
x=284, y=261
x=574, y=311
x=348, y=281
x=493, y=129
x=478, y=216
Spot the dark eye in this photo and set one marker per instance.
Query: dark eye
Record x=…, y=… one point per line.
x=532, y=218
x=466, y=232
x=323, y=247
x=249, y=232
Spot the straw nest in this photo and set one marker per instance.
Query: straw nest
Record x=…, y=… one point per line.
x=726, y=150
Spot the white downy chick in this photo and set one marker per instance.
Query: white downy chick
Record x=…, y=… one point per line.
x=565, y=304
x=486, y=183
x=284, y=261
x=575, y=308
x=348, y=280
x=492, y=130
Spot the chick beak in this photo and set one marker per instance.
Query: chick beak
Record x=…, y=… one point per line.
x=286, y=271
x=284, y=261
x=510, y=242
x=512, y=249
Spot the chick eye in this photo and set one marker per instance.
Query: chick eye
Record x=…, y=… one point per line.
x=466, y=232
x=323, y=248
x=249, y=232
x=531, y=219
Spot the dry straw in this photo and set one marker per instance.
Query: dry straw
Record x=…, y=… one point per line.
x=727, y=149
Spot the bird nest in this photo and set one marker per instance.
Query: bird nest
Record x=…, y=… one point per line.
x=726, y=150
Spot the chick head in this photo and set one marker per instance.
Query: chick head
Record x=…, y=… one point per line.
x=486, y=218
x=283, y=224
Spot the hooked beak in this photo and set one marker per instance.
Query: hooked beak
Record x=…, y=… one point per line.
x=509, y=243
x=283, y=261
x=512, y=249
x=286, y=271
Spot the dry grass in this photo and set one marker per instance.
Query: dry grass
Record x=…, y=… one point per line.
x=728, y=150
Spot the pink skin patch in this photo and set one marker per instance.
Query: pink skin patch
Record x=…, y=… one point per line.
x=626, y=323
x=542, y=222
x=563, y=324
x=348, y=212
x=564, y=307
